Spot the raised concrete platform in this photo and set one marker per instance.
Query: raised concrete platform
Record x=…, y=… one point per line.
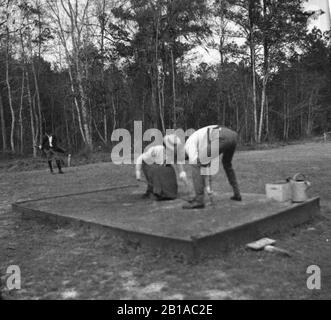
x=165, y=225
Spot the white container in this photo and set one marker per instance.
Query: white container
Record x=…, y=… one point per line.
x=279, y=191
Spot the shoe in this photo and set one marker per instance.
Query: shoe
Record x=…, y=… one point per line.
x=61, y=172
x=189, y=200
x=194, y=205
x=236, y=198
x=158, y=198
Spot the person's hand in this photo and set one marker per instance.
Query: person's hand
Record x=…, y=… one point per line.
x=183, y=176
x=138, y=175
x=209, y=190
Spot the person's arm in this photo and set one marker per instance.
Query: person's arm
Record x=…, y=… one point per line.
x=146, y=157
x=191, y=149
x=139, y=163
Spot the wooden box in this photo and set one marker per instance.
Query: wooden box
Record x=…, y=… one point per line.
x=279, y=191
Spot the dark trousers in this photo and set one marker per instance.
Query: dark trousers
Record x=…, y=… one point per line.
x=161, y=181
x=54, y=154
x=227, y=146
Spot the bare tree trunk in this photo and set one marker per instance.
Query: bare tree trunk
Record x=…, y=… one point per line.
x=20, y=113
x=37, y=94
x=73, y=91
x=253, y=67
x=252, y=49
x=31, y=112
x=67, y=126
x=39, y=123
x=32, y=124
x=243, y=95
x=157, y=73
x=288, y=121
x=237, y=114
x=33, y=117
x=285, y=120
x=3, y=127
x=105, y=125
x=101, y=13
x=36, y=74
x=12, y=112
x=153, y=113
x=162, y=98
x=267, y=119
x=174, y=89
x=220, y=110
x=85, y=113
x=222, y=40
x=262, y=111
x=265, y=76
x=114, y=113
x=75, y=127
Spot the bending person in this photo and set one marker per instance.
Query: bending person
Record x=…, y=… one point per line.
x=157, y=165
x=200, y=154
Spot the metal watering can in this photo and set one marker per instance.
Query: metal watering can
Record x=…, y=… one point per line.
x=299, y=187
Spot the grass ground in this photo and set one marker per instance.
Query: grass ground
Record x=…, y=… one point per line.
x=68, y=262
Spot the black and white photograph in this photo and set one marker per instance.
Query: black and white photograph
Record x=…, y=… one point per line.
x=165, y=154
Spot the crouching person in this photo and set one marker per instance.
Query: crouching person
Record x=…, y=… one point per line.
x=52, y=152
x=157, y=166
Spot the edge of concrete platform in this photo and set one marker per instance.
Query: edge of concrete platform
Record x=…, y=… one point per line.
x=293, y=216
x=76, y=194
x=174, y=245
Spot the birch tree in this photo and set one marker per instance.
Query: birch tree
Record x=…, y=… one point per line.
x=9, y=21
x=3, y=21
x=69, y=17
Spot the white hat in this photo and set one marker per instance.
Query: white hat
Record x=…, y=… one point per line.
x=171, y=142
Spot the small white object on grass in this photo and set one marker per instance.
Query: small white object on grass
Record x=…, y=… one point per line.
x=277, y=250
x=127, y=204
x=69, y=294
x=260, y=244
